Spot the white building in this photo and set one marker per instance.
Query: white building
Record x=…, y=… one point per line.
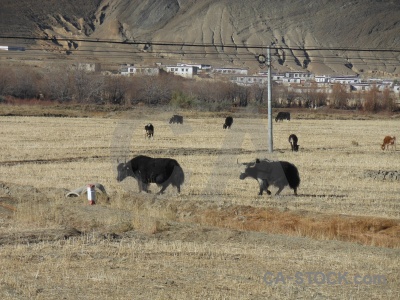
x=182, y=70
x=89, y=67
x=300, y=75
x=250, y=80
x=322, y=78
x=345, y=79
x=274, y=76
x=126, y=69
x=288, y=81
x=198, y=66
x=131, y=70
x=278, y=77
x=230, y=71
x=360, y=87
x=367, y=86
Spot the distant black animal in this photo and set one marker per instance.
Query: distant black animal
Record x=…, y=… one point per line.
x=282, y=115
x=176, y=119
x=228, y=123
x=293, y=142
x=146, y=170
x=278, y=173
x=149, y=131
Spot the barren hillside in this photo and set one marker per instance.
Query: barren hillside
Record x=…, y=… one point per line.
x=232, y=31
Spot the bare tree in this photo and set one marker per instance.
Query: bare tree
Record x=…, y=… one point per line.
x=259, y=93
x=152, y=91
x=371, y=102
x=291, y=97
x=6, y=78
x=211, y=92
x=87, y=87
x=243, y=94
x=25, y=85
x=58, y=85
x=339, y=96
x=115, y=89
x=279, y=95
x=316, y=97
x=388, y=101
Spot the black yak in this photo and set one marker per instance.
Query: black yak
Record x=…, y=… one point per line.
x=293, y=142
x=228, y=122
x=282, y=115
x=277, y=173
x=146, y=170
x=149, y=131
x=176, y=119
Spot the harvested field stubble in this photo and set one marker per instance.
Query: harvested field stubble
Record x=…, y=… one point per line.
x=217, y=238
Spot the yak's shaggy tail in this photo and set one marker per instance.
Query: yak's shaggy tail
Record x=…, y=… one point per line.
x=292, y=176
x=177, y=177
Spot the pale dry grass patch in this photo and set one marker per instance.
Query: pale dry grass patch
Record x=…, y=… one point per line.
x=39, y=138
x=94, y=267
x=329, y=166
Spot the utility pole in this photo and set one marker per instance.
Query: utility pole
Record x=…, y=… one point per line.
x=270, y=137
x=267, y=61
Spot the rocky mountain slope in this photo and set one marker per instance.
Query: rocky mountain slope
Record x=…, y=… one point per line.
x=304, y=34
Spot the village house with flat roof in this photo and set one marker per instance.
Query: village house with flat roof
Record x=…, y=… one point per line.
x=132, y=70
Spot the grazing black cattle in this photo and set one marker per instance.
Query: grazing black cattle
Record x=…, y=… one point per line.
x=146, y=170
x=228, y=122
x=282, y=115
x=293, y=142
x=149, y=131
x=278, y=173
x=176, y=119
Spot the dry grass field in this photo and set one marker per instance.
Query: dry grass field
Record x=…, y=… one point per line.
x=218, y=238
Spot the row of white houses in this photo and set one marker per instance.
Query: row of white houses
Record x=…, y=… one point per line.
x=240, y=76
x=305, y=79
x=181, y=69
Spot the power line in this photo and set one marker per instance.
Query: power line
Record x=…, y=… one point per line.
x=192, y=52
x=188, y=52
x=325, y=55
x=203, y=45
